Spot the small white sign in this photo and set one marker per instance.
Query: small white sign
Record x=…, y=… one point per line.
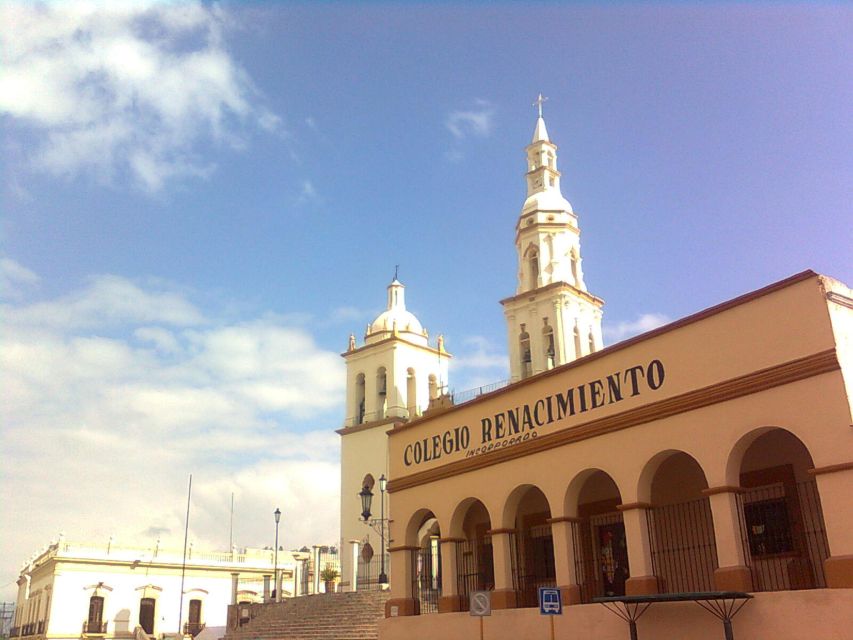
x=395, y=611
x=481, y=603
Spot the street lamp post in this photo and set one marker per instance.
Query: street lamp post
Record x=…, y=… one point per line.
x=277, y=514
x=383, y=578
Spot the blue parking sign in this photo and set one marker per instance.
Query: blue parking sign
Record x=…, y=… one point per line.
x=550, y=601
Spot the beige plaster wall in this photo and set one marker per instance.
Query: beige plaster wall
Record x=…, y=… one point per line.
x=822, y=614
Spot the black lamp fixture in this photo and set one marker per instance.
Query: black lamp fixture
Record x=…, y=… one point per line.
x=277, y=514
x=366, y=496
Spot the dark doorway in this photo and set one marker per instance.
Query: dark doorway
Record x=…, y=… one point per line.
x=146, y=615
x=96, y=615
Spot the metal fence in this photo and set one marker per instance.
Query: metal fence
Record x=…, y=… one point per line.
x=534, y=564
x=601, y=556
x=683, y=547
x=475, y=569
x=459, y=397
x=783, y=536
x=368, y=572
x=426, y=578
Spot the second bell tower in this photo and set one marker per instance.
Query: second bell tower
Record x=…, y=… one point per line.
x=552, y=319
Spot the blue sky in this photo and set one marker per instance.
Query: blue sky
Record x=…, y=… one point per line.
x=201, y=201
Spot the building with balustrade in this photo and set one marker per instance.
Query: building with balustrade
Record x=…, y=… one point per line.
x=712, y=454
x=104, y=591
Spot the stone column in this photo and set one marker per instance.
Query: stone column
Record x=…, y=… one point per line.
x=235, y=578
x=317, y=568
x=504, y=596
x=450, y=598
x=267, y=588
x=833, y=484
x=559, y=335
x=402, y=601
x=354, y=575
x=733, y=574
x=642, y=580
x=564, y=559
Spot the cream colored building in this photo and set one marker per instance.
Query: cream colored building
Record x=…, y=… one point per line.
x=712, y=454
x=391, y=378
x=73, y=590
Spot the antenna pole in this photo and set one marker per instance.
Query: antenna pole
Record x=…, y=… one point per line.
x=231, y=527
x=184, y=563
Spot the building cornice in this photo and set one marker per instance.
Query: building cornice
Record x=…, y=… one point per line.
x=391, y=423
x=527, y=296
x=396, y=338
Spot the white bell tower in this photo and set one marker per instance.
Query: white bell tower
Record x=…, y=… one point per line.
x=552, y=319
x=391, y=378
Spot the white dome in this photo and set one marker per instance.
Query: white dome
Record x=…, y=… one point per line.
x=402, y=319
x=396, y=317
x=548, y=200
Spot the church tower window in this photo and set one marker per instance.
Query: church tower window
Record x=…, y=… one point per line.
x=359, y=398
x=411, y=393
x=533, y=266
x=381, y=392
x=524, y=351
x=548, y=342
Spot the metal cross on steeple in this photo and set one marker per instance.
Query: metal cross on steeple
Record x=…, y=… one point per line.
x=538, y=103
x=396, y=269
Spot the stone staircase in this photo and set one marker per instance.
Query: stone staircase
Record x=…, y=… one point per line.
x=335, y=616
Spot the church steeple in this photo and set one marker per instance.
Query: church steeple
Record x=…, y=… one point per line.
x=552, y=318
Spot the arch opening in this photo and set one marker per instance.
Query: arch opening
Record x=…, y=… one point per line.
x=784, y=537
x=411, y=393
x=525, y=355
x=424, y=533
x=528, y=511
x=598, y=535
x=359, y=398
x=681, y=527
x=381, y=393
x=475, y=569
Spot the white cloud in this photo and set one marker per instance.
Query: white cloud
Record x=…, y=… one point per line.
x=14, y=277
x=477, y=363
x=120, y=88
x=348, y=314
x=114, y=393
x=108, y=300
x=626, y=329
x=307, y=193
x=477, y=121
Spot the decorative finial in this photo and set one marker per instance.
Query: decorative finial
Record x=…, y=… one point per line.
x=396, y=269
x=538, y=103
x=352, y=342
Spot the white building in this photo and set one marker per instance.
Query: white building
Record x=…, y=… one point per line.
x=105, y=591
x=391, y=378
